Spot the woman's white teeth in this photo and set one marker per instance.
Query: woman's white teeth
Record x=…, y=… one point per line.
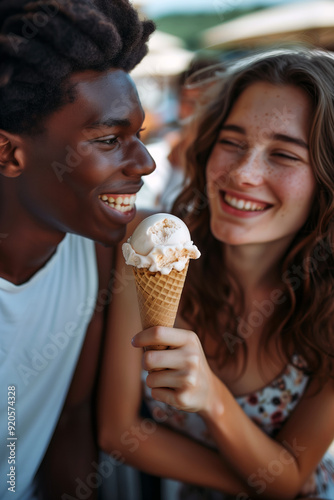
x=120, y=203
x=246, y=205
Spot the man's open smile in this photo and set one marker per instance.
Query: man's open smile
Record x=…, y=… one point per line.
x=120, y=202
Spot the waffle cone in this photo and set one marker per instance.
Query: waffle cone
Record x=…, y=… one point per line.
x=159, y=296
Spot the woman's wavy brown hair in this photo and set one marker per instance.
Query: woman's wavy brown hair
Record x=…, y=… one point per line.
x=213, y=302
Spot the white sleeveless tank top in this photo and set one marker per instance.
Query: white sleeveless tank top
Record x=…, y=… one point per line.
x=42, y=328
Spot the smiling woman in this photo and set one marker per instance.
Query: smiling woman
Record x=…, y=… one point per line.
x=264, y=138
x=243, y=394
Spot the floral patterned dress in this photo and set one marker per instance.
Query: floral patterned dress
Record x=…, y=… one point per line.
x=269, y=408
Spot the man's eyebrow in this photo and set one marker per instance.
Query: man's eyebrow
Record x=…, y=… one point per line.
x=109, y=123
x=278, y=137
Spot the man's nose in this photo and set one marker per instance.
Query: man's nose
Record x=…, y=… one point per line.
x=139, y=161
x=249, y=169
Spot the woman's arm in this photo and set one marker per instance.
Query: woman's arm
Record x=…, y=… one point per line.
x=141, y=443
x=275, y=468
x=270, y=468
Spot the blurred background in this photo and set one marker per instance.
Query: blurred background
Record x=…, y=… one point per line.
x=192, y=34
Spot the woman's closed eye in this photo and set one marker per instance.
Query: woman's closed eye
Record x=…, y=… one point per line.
x=286, y=156
x=233, y=144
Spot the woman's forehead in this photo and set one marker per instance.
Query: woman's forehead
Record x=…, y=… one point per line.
x=281, y=107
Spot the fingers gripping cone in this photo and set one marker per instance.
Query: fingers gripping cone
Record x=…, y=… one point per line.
x=159, y=297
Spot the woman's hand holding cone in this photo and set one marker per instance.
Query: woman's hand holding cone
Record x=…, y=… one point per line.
x=179, y=376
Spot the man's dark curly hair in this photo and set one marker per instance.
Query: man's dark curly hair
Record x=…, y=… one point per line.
x=43, y=42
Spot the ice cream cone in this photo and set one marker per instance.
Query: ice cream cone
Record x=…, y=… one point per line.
x=159, y=296
x=159, y=251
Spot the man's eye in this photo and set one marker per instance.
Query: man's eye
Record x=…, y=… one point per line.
x=139, y=132
x=110, y=141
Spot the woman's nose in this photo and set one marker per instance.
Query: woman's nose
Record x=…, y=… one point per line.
x=139, y=161
x=249, y=169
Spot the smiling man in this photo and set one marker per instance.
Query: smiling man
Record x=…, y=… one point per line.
x=71, y=163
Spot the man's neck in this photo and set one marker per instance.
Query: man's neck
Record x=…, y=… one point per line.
x=25, y=246
x=19, y=260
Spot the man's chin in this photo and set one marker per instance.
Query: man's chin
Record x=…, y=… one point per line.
x=113, y=238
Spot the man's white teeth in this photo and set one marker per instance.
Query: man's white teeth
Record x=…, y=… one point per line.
x=245, y=205
x=120, y=203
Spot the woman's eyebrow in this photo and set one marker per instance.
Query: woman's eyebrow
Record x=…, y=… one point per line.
x=234, y=128
x=290, y=139
x=276, y=136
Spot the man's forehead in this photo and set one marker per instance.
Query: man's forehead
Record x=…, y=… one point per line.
x=105, y=97
x=99, y=100
x=112, y=80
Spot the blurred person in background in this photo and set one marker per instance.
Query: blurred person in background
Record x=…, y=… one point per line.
x=189, y=101
x=167, y=139
x=242, y=399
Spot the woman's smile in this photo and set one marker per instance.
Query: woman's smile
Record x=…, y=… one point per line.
x=241, y=205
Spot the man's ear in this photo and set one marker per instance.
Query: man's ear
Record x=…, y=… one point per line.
x=11, y=159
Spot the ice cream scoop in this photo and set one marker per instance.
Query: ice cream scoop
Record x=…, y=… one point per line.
x=161, y=243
